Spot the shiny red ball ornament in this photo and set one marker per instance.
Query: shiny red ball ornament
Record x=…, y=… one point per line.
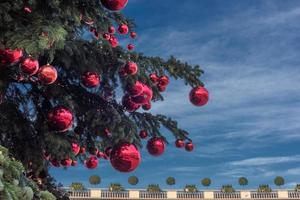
x=111, y=30
x=74, y=163
x=114, y=5
x=91, y=162
x=164, y=80
x=199, y=96
x=123, y=29
x=75, y=148
x=113, y=41
x=147, y=106
x=125, y=157
x=131, y=68
x=129, y=105
x=66, y=162
x=106, y=36
x=156, y=146
x=90, y=79
x=30, y=66
x=47, y=74
x=145, y=97
x=154, y=78
x=179, y=143
x=135, y=89
x=189, y=146
x=143, y=134
x=60, y=119
x=12, y=56
x=130, y=47
x=133, y=35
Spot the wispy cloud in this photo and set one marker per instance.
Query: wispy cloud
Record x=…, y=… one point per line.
x=266, y=161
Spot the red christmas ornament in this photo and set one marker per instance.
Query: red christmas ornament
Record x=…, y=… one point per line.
x=114, y=5
x=154, y=78
x=147, y=106
x=179, y=143
x=30, y=66
x=123, y=29
x=66, y=162
x=91, y=162
x=74, y=163
x=47, y=74
x=106, y=36
x=27, y=9
x=130, y=47
x=125, y=157
x=164, y=80
x=90, y=79
x=156, y=146
x=113, y=41
x=131, y=68
x=133, y=35
x=143, y=134
x=55, y=163
x=75, y=148
x=199, y=96
x=60, y=119
x=161, y=88
x=107, y=151
x=129, y=105
x=145, y=97
x=102, y=155
x=12, y=56
x=111, y=30
x=189, y=146
x=136, y=89
x=82, y=150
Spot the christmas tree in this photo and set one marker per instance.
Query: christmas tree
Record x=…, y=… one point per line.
x=59, y=91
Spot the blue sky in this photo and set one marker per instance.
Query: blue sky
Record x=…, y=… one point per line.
x=250, y=52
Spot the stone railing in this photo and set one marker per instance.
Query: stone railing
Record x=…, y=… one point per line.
x=104, y=194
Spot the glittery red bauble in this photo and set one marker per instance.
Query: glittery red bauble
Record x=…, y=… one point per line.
x=75, y=148
x=154, y=78
x=60, y=119
x=113, y=41
x=66, y=162
x=123, y=29
x=147, y=106
x=125, y=157
x=156, y=146
x=179, y=143
x=199, y=96
x=130, y=47
x=12, y=56
x=91, y=162
x=30, y=66
x=131, y=68
x=114, y=5
x=164, y=80
x=189, y=146
x=133, y=35
x=74, y=163
x=135, y=89
x=143, y=134
x=55, y=163
x=106, y=36
x=145, y=97
x=111, y=30
x=129, y=105
x=47, y=74
x=90, y=79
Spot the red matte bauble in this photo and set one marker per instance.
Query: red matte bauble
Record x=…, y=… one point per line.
x=114, y=5
x=75, y=148
x=90, y=79
x=164, y=80
x=66, y=162
x=199, y=96
x=143, y=134
x=129, y=105
x=179, y=143
x=130, y=47
x=125, y=157
x=131, y=68
x=189, y=146
x=154, y=78
x=113, y=41
x=30, y=66
x=147, y=106
x=135, y=89
x=60, y=119
x=74, y=163
x=91, y=162
x=13, y=56
x=123, y=29
x=47, y=74
x=156, y=146
x=133, y=35
x=55, y=163
x=111, y=30
x=106, y=36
